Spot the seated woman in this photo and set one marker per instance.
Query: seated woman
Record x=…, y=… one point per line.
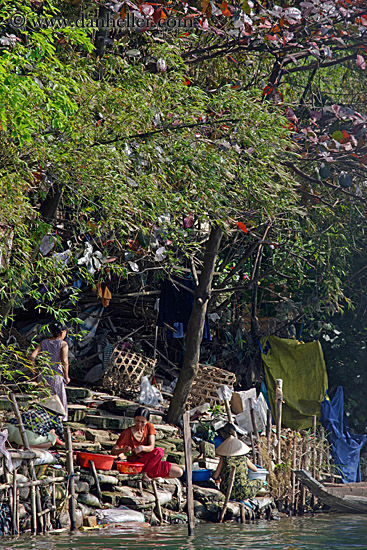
x=140, y=441
x=42, y=424
x=231, y=453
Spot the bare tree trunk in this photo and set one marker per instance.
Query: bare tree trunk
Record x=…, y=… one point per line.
x=195, y=328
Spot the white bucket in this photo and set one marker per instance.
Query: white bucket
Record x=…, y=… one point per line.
x=260, y=474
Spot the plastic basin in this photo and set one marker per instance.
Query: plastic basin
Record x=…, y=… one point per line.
x=101, y=462
x=199, y=475
x=260, y=474
x=129, y=467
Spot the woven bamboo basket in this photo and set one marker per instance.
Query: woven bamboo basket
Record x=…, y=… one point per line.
x=205, y=386
x=125, y=370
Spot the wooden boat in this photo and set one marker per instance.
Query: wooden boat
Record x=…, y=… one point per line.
x=341, y=497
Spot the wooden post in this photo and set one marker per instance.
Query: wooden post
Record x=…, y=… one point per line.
x=268, y=432
x=293, y=477
x=15, y=507
x=188, y=468
x=92, y=467
x=53, y=495
x=70, y=470
x=254, y=454
x=314, y=449
x=9, y=491
x=304, y=464
x=33, y=509
x=255, y=431
x=321, y=451
x=243, y=512
x=31, y=463
x=279, y=404
x=230, y=417
x=159, y=509
x=229, y=491
x=253, y=419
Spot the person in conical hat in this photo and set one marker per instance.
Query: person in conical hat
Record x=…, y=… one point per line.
x=232, y=453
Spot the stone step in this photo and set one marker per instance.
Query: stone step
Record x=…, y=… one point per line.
x=100, y=435
x=176, y=458
x=108, y=421
x=76, y=412
x=86, y=446
x=128, y=408
x=5, y=403
x=74, y=394
x=166, y=445
x=176, y=441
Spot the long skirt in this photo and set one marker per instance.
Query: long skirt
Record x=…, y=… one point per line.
x=58, y=387
x=154, y=466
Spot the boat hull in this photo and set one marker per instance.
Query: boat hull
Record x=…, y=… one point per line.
x=345, y=498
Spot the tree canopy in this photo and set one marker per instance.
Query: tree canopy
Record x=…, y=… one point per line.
x=135, y=141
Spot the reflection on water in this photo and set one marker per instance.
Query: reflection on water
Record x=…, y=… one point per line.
x=318, y=533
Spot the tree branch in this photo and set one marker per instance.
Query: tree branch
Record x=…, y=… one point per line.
x=144, y=135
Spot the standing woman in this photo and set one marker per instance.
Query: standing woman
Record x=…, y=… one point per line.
x=58, y=351
x=140, y=441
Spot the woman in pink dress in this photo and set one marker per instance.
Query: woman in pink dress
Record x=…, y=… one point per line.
x=58, y=351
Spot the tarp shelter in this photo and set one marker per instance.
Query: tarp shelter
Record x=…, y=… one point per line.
x=302, y=368
x=345, y=447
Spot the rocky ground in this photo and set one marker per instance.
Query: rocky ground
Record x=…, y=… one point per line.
x=96, y=419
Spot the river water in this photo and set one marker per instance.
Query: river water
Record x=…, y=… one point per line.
x=320, y=532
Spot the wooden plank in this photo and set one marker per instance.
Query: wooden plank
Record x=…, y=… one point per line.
x=188, y=467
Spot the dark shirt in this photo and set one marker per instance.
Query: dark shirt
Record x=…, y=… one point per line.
x=41, y=422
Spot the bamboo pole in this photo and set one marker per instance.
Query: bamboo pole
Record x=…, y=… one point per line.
x=229, y=491
x=268, y=432
x=188, y=467
x=159, y=509
x=255, y=431
x=243, y=512
x=253, y=447
x=314, y=448
x=53, y=496
x=279, y=404
x=7, y=486
x=70, y=470
x=321, y=452
x=15, y=508
x=304, y=466
x=293, y=476
x=31, y=462
x=314, y=455
x=33, y=509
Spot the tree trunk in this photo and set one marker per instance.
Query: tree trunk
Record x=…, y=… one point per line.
x=195, y=329
x=48, y=211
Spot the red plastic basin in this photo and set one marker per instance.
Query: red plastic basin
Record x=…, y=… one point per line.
x=129, y=467
x=101, y=462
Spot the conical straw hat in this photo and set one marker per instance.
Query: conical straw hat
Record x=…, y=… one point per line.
x=54, y=405
x=232, y=447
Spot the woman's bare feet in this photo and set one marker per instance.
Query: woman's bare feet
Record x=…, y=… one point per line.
x=145, y=477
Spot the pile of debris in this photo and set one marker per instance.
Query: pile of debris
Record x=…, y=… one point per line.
x=96, y=419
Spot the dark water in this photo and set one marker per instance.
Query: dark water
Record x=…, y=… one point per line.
x=318, y=533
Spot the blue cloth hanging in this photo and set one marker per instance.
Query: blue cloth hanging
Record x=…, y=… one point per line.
x=175, y=306
x=346, y=447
